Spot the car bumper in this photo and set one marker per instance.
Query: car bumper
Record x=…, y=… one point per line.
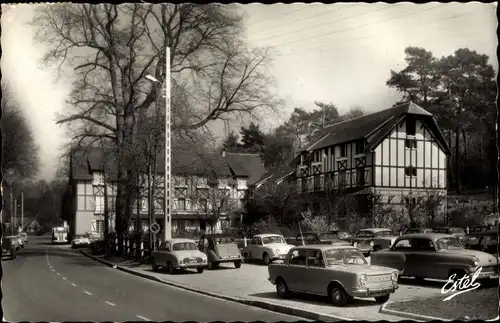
x=192, y=265
x=487, y=275
x=278, y=257
x=223, y=260
x=373, y=292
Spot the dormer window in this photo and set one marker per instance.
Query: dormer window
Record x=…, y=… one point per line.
x=343, y=150
x=410, y=126
x=360, y=146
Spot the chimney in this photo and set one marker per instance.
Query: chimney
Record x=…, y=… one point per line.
x=223, y=152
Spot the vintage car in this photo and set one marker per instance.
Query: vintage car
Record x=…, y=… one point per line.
x=179, y=254
x=482, y=241
x=327, y=237
x=80, y=240
x=220, y=249
x=267, y=247
x=8, y=248
x=15, y=241
x=416, y=230
x=339, y=272
x=24, y=237
x=457, y=232
x=435, y=256
x=373, y=239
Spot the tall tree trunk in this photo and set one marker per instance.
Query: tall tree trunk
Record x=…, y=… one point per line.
x=457, y=162
x=449, y=161
x=464, y=139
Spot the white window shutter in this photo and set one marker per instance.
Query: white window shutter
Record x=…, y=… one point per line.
x=93, y=226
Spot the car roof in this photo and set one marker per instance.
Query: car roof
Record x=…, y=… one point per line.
x=217, y=235
x=320, y=232
x=324, y=247
x=265, y=235
x=179, y=240
x=429, y=235
x=375, y=229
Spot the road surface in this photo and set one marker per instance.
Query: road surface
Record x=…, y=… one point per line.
x=54, y=283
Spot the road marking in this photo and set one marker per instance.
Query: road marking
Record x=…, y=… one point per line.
x=142, y=318
x=64, y=278
x=53, y=269
x=58, y=274
x=73, y=284
x=88, y=293
x=110, y=304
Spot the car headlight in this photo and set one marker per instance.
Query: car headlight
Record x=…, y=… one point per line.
x=372, y=244
x=362, y=280
x=394, y=276
x=204, y=260
x=277, y=251
x=476, y=261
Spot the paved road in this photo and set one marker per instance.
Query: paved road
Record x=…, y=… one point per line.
x=55, y=283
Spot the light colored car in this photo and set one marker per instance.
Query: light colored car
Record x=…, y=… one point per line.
x=24, y=237
x=436, y=256
x=373, y=239
x=15, y=241
x=220, y=249
x=179, y=254
x=339, y=272
x=20, y=241
x=80, y=240
x=267, y=247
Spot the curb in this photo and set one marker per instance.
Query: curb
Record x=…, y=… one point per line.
x=260, y=304
x=412, y=316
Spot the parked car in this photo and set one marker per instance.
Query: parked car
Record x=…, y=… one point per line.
x=436, y=256
x=417, y=230
x=220, y=249
x=15, y=242
x=8, y=248
x=20, y=241
x=80, y=240
x=479, y=229
x=482, y=241
x=24, y=237
x=179, y=254
x=339, y=272
x=267, y=247
x=327, y=237
x=457, y=232
x=373, y=239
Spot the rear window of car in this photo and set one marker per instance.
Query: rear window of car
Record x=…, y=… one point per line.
x=441, y=230
x=329, y=235
x=224, y=240
x=384, y=233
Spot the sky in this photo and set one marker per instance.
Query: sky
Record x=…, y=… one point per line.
x=339, y=53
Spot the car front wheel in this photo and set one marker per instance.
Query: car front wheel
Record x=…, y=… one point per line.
x=338, y=296
x=199, y=270
x=282, y=288
x=266, y=259
x=382, y=299
x=237, y=264
x=170, y=268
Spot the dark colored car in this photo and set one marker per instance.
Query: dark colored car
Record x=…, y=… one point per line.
x=327, y=237
x=417, y=230
x=482, y=241
x=8, y=248
x=220, y=249
x=455, y=231
x=373, y=239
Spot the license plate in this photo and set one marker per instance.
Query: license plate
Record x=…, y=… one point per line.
x=377, y=294
x=493, y=277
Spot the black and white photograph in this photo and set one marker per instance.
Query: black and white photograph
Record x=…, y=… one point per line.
x=249, y=162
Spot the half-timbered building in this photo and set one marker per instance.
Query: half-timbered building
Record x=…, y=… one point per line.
x=400, y=153
x=200, y=184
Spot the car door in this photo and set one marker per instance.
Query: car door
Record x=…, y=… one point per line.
x=422, y=259
x=296, y=271
x=399, y=254
x=160, y=255
x=252, y=250
x=314, y=278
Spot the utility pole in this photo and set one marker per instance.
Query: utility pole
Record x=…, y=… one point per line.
x=150, y=213
x=14, y=224
x=168, y=222
x=22, y=211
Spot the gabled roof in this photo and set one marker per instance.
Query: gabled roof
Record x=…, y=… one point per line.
x=376, y=126
x=249, y=166
x=274, y=175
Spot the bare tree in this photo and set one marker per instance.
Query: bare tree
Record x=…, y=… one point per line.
x=20, y=158
x=112, y=48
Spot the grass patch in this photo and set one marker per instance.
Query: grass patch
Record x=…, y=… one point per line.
x=479, y=304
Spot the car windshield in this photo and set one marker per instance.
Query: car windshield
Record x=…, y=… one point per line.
x=384, y=233
x=344, y=256
x=441, y=231
x=224, y=240
x=184, y=246
x=449, y=243
x=329, y=235
x=273, y=239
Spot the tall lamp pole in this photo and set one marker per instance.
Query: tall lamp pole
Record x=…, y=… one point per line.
x=168, y=153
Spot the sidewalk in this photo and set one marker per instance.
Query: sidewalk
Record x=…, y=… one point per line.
x=249, y=285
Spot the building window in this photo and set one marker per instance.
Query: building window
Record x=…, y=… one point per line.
x=411, y=143
x=360, y=175
x=410, y=201
x=85, y=197
x=317, y=182
x=304, y=184
x=342, y=177
x=343, y=150
x=181, y=204
x=159, y=204
x=317, y=156
x=410, y=126
x=203, y=204
x=97, y=226
x=410, y=171
x=360, y=146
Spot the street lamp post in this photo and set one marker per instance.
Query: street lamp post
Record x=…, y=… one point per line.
x=168, y=153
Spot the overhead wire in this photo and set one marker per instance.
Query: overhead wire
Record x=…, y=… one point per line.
x=356, y=27
x=307, y=18
x=281, y=15
x=328, y=23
